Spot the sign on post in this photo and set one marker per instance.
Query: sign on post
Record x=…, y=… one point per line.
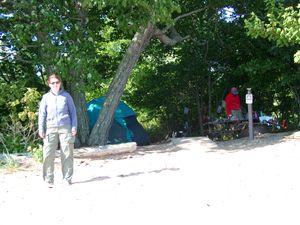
x=249, y=99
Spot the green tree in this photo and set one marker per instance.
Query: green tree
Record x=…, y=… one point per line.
x=52, y=36
x=149, y=20
x=199, y=72
x=281, y=24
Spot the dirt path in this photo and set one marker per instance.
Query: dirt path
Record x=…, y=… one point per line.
x=187, y=181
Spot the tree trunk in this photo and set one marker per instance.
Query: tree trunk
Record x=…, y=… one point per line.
x=82, y=117
x=209, y=96
x=100, y=131
x=199, y=110
x=295, y=90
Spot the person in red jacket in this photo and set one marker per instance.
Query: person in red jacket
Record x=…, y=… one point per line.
x=233, y=105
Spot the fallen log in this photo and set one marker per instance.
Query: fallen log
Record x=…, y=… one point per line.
x=106, y=150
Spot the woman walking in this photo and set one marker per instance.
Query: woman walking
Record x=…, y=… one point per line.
x=57, y=124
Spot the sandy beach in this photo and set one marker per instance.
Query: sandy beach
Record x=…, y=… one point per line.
x=185, y=181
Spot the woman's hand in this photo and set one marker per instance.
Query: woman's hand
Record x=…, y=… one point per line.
x=42, y=134
x=74, y=131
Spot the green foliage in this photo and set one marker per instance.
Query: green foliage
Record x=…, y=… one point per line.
x=155, y=128
x=55, y=36
x=19, y=129
x=6, y=160
x=8, y=163
x=218, y=52
x=8, y=93
x=273, y=81
x=84, y=42
x=131, y=14
x=29, y=103
x=282, y=25
x=297, y=56
x=37, y=152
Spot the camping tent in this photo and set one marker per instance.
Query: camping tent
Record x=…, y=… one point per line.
x=125, y=127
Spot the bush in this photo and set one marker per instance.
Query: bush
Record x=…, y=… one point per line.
x=19, y=130
x=8, y=163
x=37, y=152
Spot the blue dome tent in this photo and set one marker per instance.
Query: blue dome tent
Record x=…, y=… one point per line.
x=125, y=127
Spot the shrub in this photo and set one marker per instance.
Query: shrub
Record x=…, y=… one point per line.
x=19, y=129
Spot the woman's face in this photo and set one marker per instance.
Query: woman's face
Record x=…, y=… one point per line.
x=54, y=84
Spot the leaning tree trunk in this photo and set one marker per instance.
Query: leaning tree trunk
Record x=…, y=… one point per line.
x=100, y=131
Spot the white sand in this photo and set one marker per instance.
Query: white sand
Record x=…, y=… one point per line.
x=188, y=181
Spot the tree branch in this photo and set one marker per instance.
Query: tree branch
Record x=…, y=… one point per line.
x=189, y=14
x=183, y=16
x=171, y=40
x=18, y=58
x=174, y=37
x=7, y=55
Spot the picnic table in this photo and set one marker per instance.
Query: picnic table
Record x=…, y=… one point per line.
x=227, y=129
